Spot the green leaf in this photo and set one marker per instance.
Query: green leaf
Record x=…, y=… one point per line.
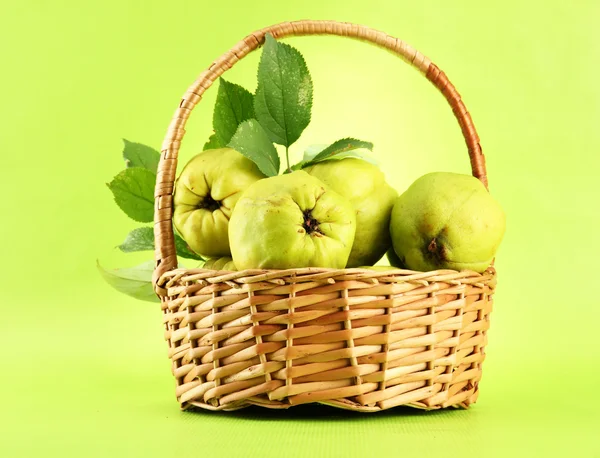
x=339, y=150
x=212, y=143
x=359, y=153
x=341, y=146
x=253, y=142
x=133, y=190
x=284, y=94
x=234, y=105
x=138, y=155
x=134, y=281
x=184, y=250
x=142, y=239
x=311, y=152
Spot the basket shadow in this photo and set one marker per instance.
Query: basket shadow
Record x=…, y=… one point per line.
x=317, y=412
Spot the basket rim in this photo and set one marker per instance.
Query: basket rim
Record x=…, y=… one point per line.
x=236, y=279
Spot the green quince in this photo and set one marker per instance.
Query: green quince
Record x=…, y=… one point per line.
x=224, y=263
x=394, y=260
x=206, y=193
x=291, y=221
x=364, y=185
x=447, y=221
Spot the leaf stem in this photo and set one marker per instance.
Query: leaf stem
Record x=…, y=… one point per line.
x=287, y=158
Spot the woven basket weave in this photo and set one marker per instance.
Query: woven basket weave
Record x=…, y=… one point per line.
x=352, y=338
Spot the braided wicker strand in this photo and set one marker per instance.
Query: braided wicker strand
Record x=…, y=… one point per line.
x=352, y=338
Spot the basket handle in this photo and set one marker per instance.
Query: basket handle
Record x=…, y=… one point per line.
x=165, y=254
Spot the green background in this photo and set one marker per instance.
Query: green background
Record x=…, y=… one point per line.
x=85, y=370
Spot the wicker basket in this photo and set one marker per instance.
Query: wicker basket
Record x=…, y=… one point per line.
x=355, y=339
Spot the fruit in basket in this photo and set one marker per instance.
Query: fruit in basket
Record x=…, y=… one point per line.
x=394, y=260
x=291, y=221
x=446, y=221
x=206, y=193
x=364, y=185
x=224, y=263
